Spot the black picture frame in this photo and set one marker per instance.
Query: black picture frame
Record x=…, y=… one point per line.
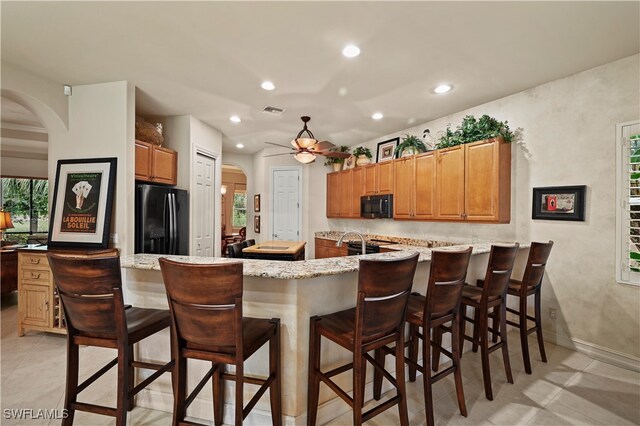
x=386, y=150
x=559, y=203
x=256, y=224
x=82, y=203
x=256, y=203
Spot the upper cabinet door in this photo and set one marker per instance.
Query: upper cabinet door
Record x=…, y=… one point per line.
x=357, y=185
x=384, y=177
x=488, y=180
x=346, y=192
x=165, y=166
x=425, y=186
x=403, y=191
x=450, y=183
x=333, y=194
x=370, y=186
x=143, y=160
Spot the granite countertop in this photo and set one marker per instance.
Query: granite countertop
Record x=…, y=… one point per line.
x=289, y=270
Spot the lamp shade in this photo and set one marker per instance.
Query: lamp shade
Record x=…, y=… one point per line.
x=305, y=157
x=5, y=220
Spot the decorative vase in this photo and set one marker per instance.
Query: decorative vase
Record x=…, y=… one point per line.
x=362, y=160
x=337, y=167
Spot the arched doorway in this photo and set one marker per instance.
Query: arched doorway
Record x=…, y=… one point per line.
x=233, y=206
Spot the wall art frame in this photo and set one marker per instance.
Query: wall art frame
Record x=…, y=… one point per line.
x=386, y=150
x=82, y=203
x=559, y=203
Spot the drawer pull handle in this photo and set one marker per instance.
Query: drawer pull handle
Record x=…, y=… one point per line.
x=34, y=261
x=46, y=306
x=35, y=276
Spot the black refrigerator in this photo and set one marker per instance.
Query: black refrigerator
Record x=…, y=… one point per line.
x=162, y=220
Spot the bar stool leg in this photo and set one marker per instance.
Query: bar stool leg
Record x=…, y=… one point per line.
x=314, y=366
x=71, y=393
x=524, y=339
x=217, y=382
x=476, y=329
x=123, y=385
x=377, y=376
x=537, y=303
x=358, y=386
x=131, y=378
x=413, y=350
x=483, y=335
x=239, y=392
x=437, y=339
x=275, y=392
x=495, y=323
x=179, y=389
x=457, y=374
x=426, y=377
x=463, y=323
x=503, y=340
x=400, y=379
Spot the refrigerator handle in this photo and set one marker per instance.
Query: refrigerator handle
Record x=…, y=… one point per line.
x=172, y=224
x=165, y=222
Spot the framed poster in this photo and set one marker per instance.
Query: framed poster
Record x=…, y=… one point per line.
x=256, y=203
x=386, y=150
x=559, y=203
x=256, y=224
x=82, y=201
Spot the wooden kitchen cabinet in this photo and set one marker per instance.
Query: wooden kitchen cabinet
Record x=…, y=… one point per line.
x=414, y=193
x=450, y=183
x=334, y=183
x=39, y=305
x=327, y=248
x=156, y=164
x=344, y=190
x=378, y=178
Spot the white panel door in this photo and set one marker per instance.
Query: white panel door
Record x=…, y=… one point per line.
x=203, y=214
x=286, y=204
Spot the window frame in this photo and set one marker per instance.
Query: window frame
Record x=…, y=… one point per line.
x=233, y=207
x=31, y=222
x=623, y=273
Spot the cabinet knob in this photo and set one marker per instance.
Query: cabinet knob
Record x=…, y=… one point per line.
x=34, y=261
x=35, y=276
x=46, y=306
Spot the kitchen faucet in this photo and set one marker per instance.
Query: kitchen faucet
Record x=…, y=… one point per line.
x=364, y=243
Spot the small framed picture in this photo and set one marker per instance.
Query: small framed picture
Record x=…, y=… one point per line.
x=349, y=163
x=386, y=150
x=82, y=202
x=256, y=224
x=559, y=203
x=256, y=203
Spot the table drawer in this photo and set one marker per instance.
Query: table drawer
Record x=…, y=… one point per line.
x=35, y=275
x=38, y=261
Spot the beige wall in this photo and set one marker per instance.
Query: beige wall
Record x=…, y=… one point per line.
x=568, y=138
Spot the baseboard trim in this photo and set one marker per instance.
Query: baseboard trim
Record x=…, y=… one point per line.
x=594, y=351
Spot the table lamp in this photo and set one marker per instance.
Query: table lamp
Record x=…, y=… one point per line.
x=5, y=223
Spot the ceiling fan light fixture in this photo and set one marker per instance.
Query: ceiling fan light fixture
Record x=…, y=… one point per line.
x=305, y=157
x=306, y=142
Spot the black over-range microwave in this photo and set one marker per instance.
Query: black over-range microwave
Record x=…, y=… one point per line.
x=376, y=206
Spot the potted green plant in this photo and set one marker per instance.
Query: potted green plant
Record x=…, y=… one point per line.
x=334, y=162
x=410, y=145
x=472, y=130
x=363, y=155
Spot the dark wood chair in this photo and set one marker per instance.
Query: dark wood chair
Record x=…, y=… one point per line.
x=90, y=289
x=248, y=243
x=243, y=233
x=530, y=284
x=206, y=313
x=489, y=294
x=384, y=287
x=235, y=250
x=440, y=306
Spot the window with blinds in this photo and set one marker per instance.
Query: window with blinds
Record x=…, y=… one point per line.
x=628, y=211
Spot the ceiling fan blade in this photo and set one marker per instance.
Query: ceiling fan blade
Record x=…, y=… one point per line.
x=277, y=144
x=334, y=154
x=275, y=155
x=322, y=146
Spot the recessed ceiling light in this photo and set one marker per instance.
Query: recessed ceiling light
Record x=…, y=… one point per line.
x=239, y=145
x=377, y=116
x=235, y=119
x=267, y=85
x=443, y=88
x=351, y=51
x=342, y=91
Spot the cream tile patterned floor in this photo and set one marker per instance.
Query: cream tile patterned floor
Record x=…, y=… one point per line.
x=571, y=389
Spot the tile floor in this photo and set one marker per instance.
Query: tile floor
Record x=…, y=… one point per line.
x=571, y=389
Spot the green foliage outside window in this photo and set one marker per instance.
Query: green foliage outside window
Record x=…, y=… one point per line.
x=27, y=201
x=239, y=218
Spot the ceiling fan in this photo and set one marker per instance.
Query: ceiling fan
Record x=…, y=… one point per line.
x=306, y=148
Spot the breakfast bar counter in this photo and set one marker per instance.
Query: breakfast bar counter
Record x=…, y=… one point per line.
x=293, y=292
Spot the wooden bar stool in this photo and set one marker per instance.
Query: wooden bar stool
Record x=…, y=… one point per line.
x=235, y=250
x=377, y=320
x=531, y=284
x=440, y=306
x=90, y=289
x=489, y=294
x=206, y=313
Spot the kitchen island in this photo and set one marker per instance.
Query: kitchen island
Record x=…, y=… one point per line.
x=293, y=292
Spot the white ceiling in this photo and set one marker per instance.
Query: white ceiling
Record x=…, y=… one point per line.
x=208, y=59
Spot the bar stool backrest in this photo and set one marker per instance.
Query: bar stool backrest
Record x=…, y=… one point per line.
x=536, y=264
x=446, y=279
x=205, y=302
x=249, y=243
x=90, y=288
x=499, y=269
x=384, y=287
x=235, y=250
